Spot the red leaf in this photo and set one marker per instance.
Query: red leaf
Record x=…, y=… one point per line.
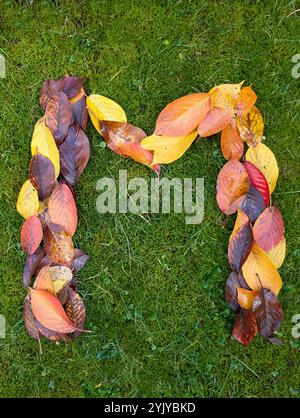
x=268, y=312
x=268, y=229
x=74, y=154
x=31, y=235
x=183, y=115
x=31, y=265
x=216, y=120
x=62, y=208
x=48, y=90
x=253, y=204
x=42, y=175
x=124, y=139
x=58, y=116
x=240, y=246
x=258, y=180
x=245, y=327
x=49, y=312
x=232, y=185
x=232, y=145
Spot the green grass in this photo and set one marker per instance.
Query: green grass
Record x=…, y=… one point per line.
x=154, y=291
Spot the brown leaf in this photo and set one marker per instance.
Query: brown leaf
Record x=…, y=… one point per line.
x=58, y=244
x=245, y=327
x=74, y=154
x=124, y=139
x=79, y=110
x=49, y=312
x=234, y=280
x=232, y=145
x=29, y=319
x=31, y=235
x=62, y=208
x=253, y=204
x=75, y=310
x=72, y=86
x=268, y=229
x=48, y=90
x=268, y=312
x=58, y=116
x=42, y=175
x=251, y=127
x=240, y=246
x=232, y=185
x=31, y=265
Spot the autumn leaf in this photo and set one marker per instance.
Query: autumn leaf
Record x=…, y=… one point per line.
x=183, y=115
x=48, y=90
x=31, y=265
x=53, y=279
x=29, y=319
x=277, y=253
x=251, y=127
x=268, y=229
x=245, y=297
x=258, y=180
x=75, y=310
x=79, y=109
x=49, y=312
x=80, y=258
x=225, y=96
x=268, y=312
x=264, y=159
x=125, y=140
x=102, y=108
x=233, y=282
x=240, y=246
x=232, y=185
x=166, y=148
x=31, y=235
x=43, y=281
x=44, y=143
x=232, y=145
x=58, y=244
x=253, y=204
x=245, y=327
x=58, y=116
x=259, y=271
x=42, y=175
x=62, y=208
x=241, y=220
x=28, y=200
x=71, y=86
x=216, y=120
x=245, y=101
x=74, y=154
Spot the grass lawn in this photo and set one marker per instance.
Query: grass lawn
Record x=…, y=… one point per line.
x=154, y=286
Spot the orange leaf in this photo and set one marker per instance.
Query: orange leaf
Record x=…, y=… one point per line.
x=62, y=208
x=183, y=115
x=216, y=120
x=245, y=297
x=44, y=281
x=232, y=186
x=58, y=244
x=232, y=145
x=31, y=234
x=49, y=312
x=259, y=271
x=245, y=100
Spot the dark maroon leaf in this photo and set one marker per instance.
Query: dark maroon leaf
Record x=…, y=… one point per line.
x=234, y=280
x=245, y=327
x=240, y=246
x=71, y=86
x=42, y=175
x=253, y=204
x=80, y=112
x=29, y=319
x=58, y=116
x=268, y=312
x=80, y=258
x=48, y=90
x=74, y=154
x=31, y=265
x=275, y=341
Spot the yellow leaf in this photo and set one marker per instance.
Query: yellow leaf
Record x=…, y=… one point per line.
x=251, y=127
x=103, y=108
x=224, y=96
x=44, y=143
x=277, y=253
x=259, y=270
x=265, y=161
x=28, y=200
x=168, y=148
x=241, y=220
